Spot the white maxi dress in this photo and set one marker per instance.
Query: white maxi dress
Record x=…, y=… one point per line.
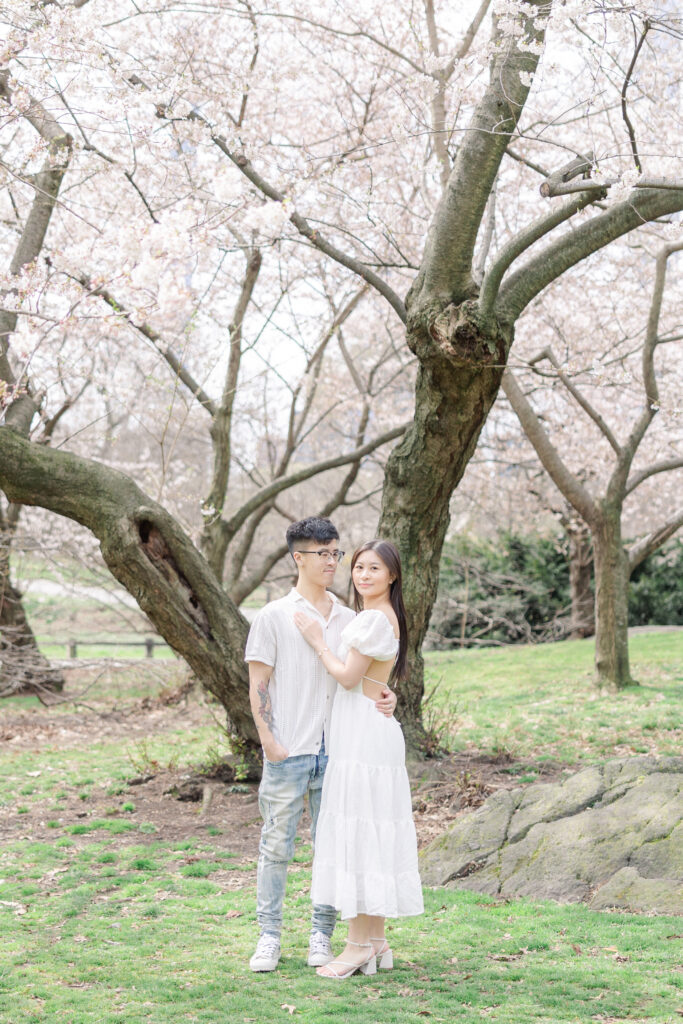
x=365, y=859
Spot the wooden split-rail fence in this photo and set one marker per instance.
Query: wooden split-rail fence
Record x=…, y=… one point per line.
x=149, y=643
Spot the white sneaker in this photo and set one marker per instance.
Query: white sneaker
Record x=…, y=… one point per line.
x=267, y=953
x=319, y=950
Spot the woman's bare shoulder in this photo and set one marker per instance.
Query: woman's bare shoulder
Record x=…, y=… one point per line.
x=390, y=614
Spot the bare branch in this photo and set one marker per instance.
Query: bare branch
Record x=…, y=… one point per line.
x=304, y=228
x=221, y=422
x=283, y=483
x=242, y=588
x=522, y=241
x=351, y=366
x=651, y=403
x=446, y=268
x=570, y=248
x=296, y=424
x=468, y=37
x=657, y=467
x=548, y=354
x=570, y=486
x=484, y=248
x=164, y=350
x=438, y=100
x=46, y=185
x=238, y=587
x=37, y=116
x=50, y=423
x=579, y=165
x=442, y=76
x=642, y=548
x=624, y=111
x=527, y=163
x=252, y=64
x=357, y=34
x=600, y=184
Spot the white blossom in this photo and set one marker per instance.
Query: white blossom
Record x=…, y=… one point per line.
x=534, y=46
x=432, y=63
x=226, y=186
x=269, y=219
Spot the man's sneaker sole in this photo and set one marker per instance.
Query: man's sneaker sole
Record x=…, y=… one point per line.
x=263, y=967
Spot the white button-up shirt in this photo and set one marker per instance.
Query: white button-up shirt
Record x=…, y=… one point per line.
x=301, y=690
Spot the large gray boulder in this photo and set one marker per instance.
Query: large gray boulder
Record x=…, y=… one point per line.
x=610, y=835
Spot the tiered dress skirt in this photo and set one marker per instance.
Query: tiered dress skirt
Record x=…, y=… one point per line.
x=365, y=858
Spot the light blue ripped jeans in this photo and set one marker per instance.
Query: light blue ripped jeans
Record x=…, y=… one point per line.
x=281, y=801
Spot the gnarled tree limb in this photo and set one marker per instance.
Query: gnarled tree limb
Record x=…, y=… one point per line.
x=149, y=553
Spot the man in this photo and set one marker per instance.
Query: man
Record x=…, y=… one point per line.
x=291, y=699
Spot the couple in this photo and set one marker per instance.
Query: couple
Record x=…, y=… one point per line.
x=318, y=678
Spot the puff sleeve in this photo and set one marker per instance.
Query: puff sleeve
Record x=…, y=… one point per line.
x=372, y=634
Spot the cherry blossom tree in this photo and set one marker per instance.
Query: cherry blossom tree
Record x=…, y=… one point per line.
x=598, y=497
x=404, y=146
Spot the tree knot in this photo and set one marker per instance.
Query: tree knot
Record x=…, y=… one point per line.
x=462, y=338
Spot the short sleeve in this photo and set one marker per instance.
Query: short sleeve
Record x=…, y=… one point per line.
x=372, y=634
x=261, y=642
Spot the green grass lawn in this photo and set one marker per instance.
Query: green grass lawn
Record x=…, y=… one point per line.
x=108, y=923
x=95, y=933
x=539, y=702
x=152, y=933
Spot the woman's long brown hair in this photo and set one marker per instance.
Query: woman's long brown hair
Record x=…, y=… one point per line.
x=388, y=553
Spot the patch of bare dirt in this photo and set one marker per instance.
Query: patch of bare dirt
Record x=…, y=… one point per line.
x=225, y=813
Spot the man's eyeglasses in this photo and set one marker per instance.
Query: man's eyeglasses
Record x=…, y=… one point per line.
x=325, y=555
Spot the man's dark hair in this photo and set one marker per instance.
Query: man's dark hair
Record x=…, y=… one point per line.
x=313, y=528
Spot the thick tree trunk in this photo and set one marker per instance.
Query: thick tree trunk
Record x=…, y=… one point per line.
x=152, y=557
x=611, y=602
x=23, y=669
x=457, y=382
x=582, y=623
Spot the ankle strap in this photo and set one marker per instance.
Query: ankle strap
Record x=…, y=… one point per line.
x=363, y=945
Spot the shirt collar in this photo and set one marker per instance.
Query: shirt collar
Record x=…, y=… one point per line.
x=295, y=597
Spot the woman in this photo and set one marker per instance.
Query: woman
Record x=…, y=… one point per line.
x=365, y=861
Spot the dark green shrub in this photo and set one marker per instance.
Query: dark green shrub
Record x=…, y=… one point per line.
x=513, y=588
x=656, y=594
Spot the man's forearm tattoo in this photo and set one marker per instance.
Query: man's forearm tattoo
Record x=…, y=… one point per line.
x=265, y=708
